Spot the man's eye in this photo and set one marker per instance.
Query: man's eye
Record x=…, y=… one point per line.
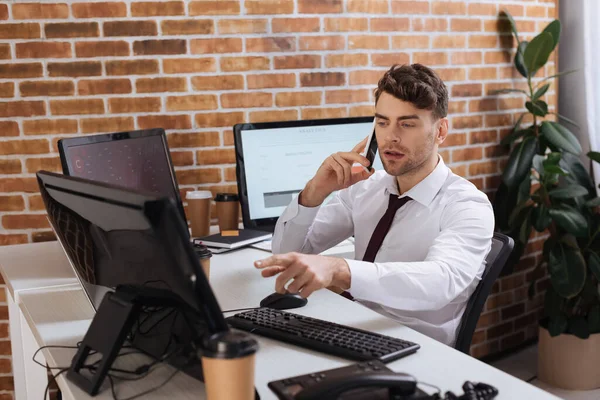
x=381, y=123
x=407, y=126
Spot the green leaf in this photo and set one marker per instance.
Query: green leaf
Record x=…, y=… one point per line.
x=577, y=172
x=561, y=137
x=518, y=214
x=579, y=327
x=524, y=190
x=570, y=220
x=570, y=121
x=541, y=218
x=555, y=169
x=589, y=292
x=526, y=226
x=593, y=202
x=538, y=107
x=537, y=52
x=553, y=29
x=538, y=163
x=557, y=325
x=594, y=319
x=594, y=155
x=507, y=90
x=569, y=191
x=552, y=158
x=504, y=202
x=594, y=264
x=556, y=75
x=513, y=25
x=567, y=270
x=519, y=163
x=540, y=92
x=516, y=133
x=519, y=61
x=552, y=303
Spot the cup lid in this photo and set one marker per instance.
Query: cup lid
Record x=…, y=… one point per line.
x=199, y=194
x=202, y=251
x=227, y=197
x=229, y=344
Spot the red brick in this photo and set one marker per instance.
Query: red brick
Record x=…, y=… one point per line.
x=102, y=48
x=297, y=62
x=167, y=46
x=109, y=9
x=483, y=9
x=46, y=88
x=320, y=6
x=113, y=124
x=369, y=7
x=187, y=65
x=321, y=113
x=483, y=168
x=346, y=24
x=368, y=42
x=215, y=156
x=468, y=154
x=44, y=49
x=388, y=59
x=482, y=73
x=29, y=30
x=246, y=100
x=464, y=57
x=71, y=29
x=187, y=27
x=505, y=103
x=154, y=9
x=211, y=7
x=22, y=109
x=451, y=74
x=466, y=90
x=496, y=57
x=223, y=82
x=429, y=24
x=414, y=7
x=472, y=121
x=286, y=25
x=6, y=240
x=269, y=116
x=75, y=69
x=465, y=25
x=264, y=7
x=103, y=86
x=3, y=11
x=198, y=176
x=7, y=89
x=430, y=58
x=219, y=119
x=120, y=105
x=322, y=43
x=40, y=11
x=5, y=53
x=193, y=139
x=457, y=107
x=455, y=139
x=130, y=28
x=79, y=106
x=7, y=167
x=9, y=128
x=483, y=41
x=232, y=26
x=447, y=7
x=45, y=236
x=270, y=44
x=346, y=60
x=25, y=221
x=132, y=67
x=153, y=85
x=262, y=81
x=449, y=41
x=536, y=11
x=322, y=79
x=293, y=99
x=165, y=122
x=230, y=172
x=46, y=163
x=390, y=25
x=182, y=158
x=49, y=126
x=498, y=120
x=483, y=105
x=246, y=63
x=192, y=102
x=365, y=77
x=217, y=45
x=347, y=96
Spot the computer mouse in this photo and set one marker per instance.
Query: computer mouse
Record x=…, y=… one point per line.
x=285, y=301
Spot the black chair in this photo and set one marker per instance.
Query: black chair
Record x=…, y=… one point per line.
x=502, y=246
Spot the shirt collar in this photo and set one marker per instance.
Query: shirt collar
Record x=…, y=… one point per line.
x=424, y=191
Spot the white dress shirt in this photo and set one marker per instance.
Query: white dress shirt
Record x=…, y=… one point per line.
x=430, y=261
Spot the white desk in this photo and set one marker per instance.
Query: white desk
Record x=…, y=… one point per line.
x=61, y=315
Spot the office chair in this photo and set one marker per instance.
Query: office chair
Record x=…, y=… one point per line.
x=502, y=246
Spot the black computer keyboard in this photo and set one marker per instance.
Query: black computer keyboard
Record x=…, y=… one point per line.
x=323, y=336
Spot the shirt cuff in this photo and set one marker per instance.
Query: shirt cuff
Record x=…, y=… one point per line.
x=299, y=214
x=363, y=278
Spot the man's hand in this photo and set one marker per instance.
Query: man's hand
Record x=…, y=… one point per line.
x=307, y=272
x=335, y=174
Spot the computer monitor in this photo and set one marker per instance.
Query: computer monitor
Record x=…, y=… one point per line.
x=132, y=159
x=114, y=236
x=275, y=160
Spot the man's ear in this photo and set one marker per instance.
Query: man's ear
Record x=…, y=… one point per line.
x=442, y=131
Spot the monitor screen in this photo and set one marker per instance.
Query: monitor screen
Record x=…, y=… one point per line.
x=278, y=161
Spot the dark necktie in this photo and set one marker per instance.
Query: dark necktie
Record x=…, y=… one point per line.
x=383, y=227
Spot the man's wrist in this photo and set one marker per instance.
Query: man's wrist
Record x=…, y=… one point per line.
x=308, y=198
x=342, y=277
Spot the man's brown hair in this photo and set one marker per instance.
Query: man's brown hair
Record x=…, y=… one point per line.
x=416, y=84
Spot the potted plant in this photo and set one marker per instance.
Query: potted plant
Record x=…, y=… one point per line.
x=546, y=187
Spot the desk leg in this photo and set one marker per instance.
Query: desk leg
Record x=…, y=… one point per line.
x=16, y=342
x=37, y=378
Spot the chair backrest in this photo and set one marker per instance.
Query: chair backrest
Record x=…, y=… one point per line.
x=502, y=246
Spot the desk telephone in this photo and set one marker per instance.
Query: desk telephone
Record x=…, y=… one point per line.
x=367, y=380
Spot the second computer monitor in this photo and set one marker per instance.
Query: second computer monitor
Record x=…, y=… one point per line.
x=275, y=160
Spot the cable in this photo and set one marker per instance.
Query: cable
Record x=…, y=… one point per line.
x=439, y=391
x=114, y=394
x=47, y=391
x=241, y=309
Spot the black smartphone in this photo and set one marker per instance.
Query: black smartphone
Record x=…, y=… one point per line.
x=371, y=148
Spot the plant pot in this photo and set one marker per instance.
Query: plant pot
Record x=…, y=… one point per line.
x=568, y=362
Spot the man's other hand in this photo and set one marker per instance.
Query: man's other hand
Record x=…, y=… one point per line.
x=308, y=273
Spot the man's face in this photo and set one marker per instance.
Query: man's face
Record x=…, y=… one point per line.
x=407, y=137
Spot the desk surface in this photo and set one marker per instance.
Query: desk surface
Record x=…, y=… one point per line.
x=62, y=315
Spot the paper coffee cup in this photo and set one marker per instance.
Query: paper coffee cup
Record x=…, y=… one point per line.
x=228, y=211
x=228, y=360
x=204, y=255
x=199, y=210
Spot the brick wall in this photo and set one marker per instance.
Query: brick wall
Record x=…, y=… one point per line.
x=196, y=68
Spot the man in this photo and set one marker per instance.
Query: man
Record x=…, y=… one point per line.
x=421, y=231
